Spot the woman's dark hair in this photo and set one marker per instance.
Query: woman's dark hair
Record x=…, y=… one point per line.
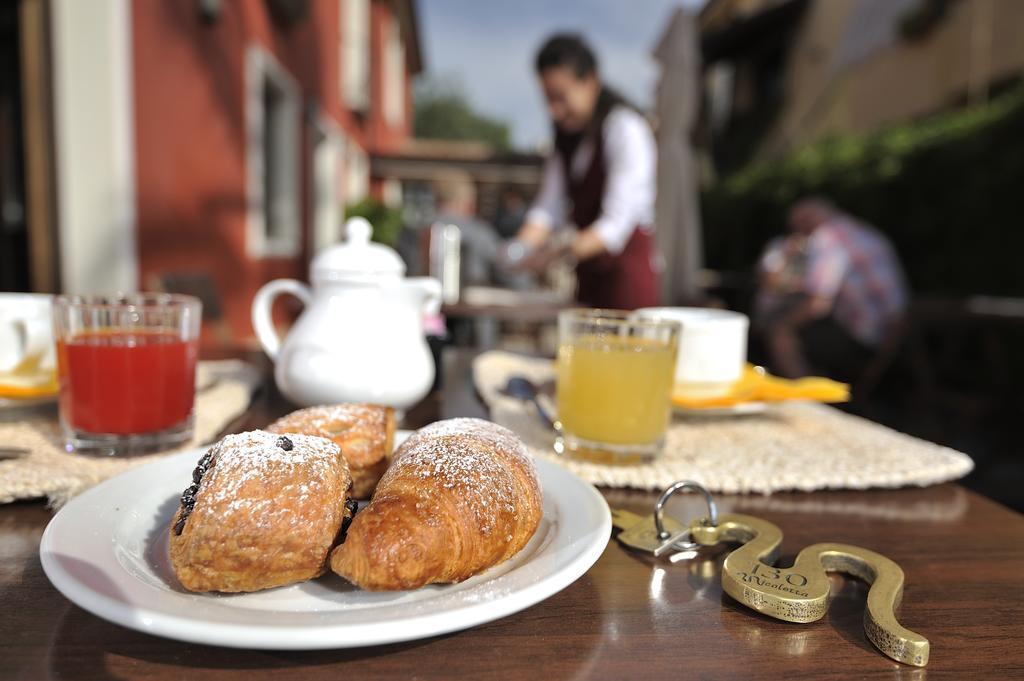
x=567, y=50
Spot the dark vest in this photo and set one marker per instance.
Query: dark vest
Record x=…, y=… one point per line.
x=626, y=281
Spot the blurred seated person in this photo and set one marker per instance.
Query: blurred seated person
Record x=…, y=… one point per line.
x=781, y=271
x=511, y=214
x=829, y=293
x=456, y=205
x=599, y=177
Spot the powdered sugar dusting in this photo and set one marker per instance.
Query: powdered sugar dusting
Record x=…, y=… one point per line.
x=478, y=478
x=499, y=436
x=325, y=416
x=335, y=420
x=257, y=456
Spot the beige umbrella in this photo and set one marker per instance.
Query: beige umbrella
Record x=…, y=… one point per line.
x=677, y=207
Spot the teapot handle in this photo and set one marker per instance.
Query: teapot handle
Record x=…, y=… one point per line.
x=431, y=289
x=262, y=320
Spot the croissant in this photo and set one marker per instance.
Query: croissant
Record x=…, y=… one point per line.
x=365, y=433
x=461, y=496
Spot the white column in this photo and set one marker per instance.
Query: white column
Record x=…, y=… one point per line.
x=93, y=118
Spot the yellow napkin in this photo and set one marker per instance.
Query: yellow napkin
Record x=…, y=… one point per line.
x=757, y=385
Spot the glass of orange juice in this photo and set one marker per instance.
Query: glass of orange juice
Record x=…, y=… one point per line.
x=614, y=387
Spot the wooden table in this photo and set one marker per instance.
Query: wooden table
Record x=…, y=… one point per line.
x=507, y=305
x=476, y=319
x=628, y=618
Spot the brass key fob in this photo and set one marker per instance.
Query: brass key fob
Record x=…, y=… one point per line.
x=796, y=594
x=800, y=593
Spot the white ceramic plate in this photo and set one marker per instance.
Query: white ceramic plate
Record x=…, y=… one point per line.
x=106, y=550
x=10, y=403
x=741, y=409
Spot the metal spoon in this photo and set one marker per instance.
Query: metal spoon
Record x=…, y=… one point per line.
x=524, y=389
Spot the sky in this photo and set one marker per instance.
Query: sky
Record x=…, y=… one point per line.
x=487, y=48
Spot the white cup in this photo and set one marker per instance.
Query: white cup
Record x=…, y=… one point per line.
x=712, y=348
x=26, y=332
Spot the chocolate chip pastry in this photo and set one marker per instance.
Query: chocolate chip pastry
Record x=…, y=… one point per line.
x=263, y=510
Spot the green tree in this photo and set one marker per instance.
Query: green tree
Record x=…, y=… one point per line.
x=443, y=112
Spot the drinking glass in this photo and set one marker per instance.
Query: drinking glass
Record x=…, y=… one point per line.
x=614, y=388
x=126, y=367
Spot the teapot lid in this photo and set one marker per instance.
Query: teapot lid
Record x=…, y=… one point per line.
x=357, y=256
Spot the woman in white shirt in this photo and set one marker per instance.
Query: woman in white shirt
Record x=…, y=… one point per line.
x=600, y=178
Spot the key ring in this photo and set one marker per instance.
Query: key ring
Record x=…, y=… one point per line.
x=683, y=544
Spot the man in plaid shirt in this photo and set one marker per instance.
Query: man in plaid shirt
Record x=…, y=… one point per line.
x=831, y=292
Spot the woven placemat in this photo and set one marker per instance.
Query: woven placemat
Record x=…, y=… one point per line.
x=791, y=446
x=223, y=392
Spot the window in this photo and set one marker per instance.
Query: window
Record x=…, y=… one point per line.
x=721, y=84
x=355, y=53
x=394, y=74
x=272, y=108
x=328, y=192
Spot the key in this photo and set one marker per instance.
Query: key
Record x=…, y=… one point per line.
x=639, y=532
x=623, y=519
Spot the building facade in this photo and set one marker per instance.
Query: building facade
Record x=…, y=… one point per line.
x=211, y=145
x=780, y=73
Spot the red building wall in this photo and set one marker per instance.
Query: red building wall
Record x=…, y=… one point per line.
x=382, y=137
x=190, y=134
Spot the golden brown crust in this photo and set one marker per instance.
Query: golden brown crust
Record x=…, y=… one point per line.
x=461, y=496
x=266, y=513
x=366, y=478
x=365, y=433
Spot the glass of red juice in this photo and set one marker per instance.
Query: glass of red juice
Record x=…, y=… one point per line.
x=126, y=366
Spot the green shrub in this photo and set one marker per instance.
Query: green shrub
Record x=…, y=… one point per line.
x=387, y=222
x=949, y=192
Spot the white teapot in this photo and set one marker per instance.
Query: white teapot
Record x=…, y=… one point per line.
x=360, y=338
